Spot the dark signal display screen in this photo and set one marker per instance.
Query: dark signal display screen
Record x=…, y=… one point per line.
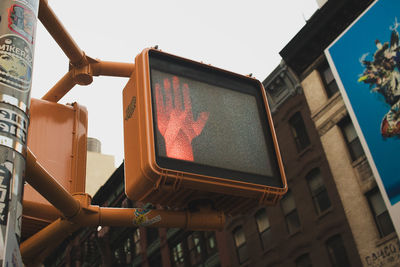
x=210, y=122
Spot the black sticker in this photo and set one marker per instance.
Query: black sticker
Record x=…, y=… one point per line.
x=5, y=177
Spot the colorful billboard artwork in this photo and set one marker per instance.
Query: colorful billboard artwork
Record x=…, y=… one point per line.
x=382, y=75
x=366, y=61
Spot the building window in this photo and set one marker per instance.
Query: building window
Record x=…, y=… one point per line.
x=303, y=261
x=89, y=251
x=299, y=131
x=289, y=210
x=127, y=248
x=211, y=243
x=151, y=235
x=155, y=259
x=318, y=191
x=337, y=252
x=351, y=137
x=380, y=212
x=240, y=243
x=195, y=249
x=178, y=257
x=264, y=228
x=330, y=84
x=136, y=241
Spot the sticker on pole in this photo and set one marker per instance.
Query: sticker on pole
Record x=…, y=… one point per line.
x=15, y=62
x=5, y=177
x=32, y=4
x=22, y=21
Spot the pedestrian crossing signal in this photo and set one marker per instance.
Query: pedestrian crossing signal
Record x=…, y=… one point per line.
x=193, y=131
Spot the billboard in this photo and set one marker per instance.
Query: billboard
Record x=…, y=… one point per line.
x=365, y=60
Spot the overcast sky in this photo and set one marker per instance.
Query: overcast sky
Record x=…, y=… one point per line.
x=240, y=36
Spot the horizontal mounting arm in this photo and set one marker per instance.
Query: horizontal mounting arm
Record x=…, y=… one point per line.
x=78, y=212
x=84, y=76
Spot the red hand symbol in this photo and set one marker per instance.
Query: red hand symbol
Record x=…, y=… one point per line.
x=176, y=123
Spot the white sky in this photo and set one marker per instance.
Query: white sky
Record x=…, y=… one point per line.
x=240, y=36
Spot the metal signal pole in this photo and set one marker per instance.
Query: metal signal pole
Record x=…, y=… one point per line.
x=17, y=40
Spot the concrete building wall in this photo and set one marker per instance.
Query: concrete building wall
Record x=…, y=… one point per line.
x=353, y=178
x=99, y=167
x=313, y=91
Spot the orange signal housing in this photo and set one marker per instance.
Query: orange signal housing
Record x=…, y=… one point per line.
x=58, y=138
x=146, y=181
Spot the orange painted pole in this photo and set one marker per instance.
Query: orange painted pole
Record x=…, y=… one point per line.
x=117, y=69
x=80, y=213
x=206, y=219
x=61, y=88
x=91, y=215
x=42, y=240
x=37, y=210
x=60, y=34
x=78, y=209
x=83, y=67
x=49, y=188
x=84, y=75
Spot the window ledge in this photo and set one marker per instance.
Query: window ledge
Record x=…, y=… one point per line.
x=326, y=106
x=358, y=161
x=297, y=231
x=385, y=239
x=305, y=150
x=268, y=250
x=324, y=213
